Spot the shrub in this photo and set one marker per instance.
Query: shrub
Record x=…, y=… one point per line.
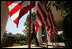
x=23, y=42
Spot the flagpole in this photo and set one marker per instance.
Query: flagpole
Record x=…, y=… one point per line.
x=55, y=38
x=29, y=33
x=46, y=38
x=52, y=39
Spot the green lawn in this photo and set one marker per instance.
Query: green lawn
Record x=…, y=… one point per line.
x=15, y=44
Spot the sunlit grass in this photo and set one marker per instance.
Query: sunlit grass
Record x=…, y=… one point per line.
x=15, y=44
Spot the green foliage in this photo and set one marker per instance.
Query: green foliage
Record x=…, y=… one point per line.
x=5, y=34
x=33, y=17
x=26, y=30
x=4, y=38
x=23, y=42
x=65, y=6
x=19, y=37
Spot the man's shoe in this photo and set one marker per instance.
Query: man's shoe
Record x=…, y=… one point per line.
x=37, y=45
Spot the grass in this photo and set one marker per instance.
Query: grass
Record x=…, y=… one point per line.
x=15, y=44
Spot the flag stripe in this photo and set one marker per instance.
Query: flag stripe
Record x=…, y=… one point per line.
x=24, y=10
x=15, y=9
x=18, y=8
x=38, y=21
x=10, y=2
x=48, y=31
x=14, y=16
x=43, y=8
x=13, y=5
x=42, y=13
x=45, y=16
x=16, y=20
x=40, y=18
x=37, y=25
x=25, y=3
x=53, y=26
x=51, y=19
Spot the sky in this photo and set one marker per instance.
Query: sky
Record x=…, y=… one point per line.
x=12, y=27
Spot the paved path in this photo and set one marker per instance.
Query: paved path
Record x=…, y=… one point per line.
x=58, y=45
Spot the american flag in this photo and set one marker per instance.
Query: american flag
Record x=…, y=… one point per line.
x=45, y=17
x=18, y=8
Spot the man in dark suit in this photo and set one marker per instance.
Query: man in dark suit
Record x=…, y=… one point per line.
x=33, y=34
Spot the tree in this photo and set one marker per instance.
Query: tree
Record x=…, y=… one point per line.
x=5, y=34
x=65, y=7
x=33, y=17
x=19, y=37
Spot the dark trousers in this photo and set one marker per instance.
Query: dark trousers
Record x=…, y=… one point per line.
x=34, y=36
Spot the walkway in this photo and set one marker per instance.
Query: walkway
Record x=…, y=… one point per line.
x=58, y=45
